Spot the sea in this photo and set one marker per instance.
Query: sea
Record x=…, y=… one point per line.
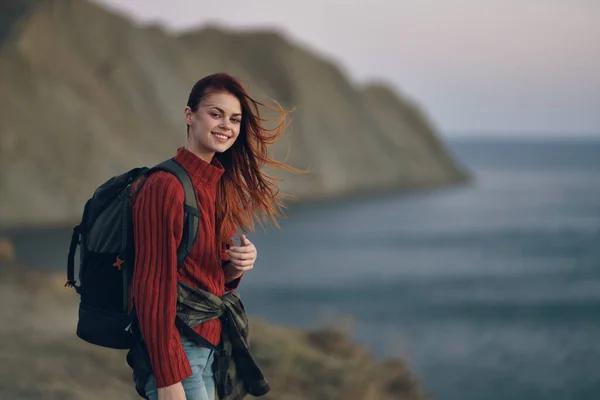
x=488, y=290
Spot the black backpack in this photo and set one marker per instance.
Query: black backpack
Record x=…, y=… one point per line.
x=105, y=239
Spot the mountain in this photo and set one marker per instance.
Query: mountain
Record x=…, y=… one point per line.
x=87, y=94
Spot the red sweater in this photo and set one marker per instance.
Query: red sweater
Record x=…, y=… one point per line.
x=158, y=228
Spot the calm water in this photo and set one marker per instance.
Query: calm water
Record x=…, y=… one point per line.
x=490, y=291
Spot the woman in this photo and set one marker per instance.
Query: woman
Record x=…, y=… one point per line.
x=225, y=150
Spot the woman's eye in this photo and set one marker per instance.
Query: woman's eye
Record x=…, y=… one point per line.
x=215, y=115
x=237, y=121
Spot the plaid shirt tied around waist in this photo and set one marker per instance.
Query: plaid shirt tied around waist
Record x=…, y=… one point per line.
x=236, y=372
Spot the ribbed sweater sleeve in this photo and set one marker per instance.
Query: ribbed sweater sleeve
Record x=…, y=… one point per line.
x=158, y=227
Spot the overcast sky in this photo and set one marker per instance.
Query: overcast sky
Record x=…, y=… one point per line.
x=519, y=66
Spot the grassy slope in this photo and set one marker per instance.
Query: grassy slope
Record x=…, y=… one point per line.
x=40, y=357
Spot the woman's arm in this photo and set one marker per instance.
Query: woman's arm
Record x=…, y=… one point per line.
x=158, y=227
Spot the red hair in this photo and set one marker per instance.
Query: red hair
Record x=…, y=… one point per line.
x=245, y=194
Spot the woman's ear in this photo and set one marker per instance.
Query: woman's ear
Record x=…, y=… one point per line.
x=187, y=115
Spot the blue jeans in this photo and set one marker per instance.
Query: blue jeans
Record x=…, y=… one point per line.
x=199, y=386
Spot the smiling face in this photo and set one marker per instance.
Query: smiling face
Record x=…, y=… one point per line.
x=214, y=126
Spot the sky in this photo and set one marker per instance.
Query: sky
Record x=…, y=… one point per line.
x=477, y=67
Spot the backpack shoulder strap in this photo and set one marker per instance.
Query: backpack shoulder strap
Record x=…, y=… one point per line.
x=190, y=208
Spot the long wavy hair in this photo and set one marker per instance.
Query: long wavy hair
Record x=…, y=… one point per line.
x=245, y=193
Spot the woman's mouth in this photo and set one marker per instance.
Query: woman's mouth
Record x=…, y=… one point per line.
x=220, y=137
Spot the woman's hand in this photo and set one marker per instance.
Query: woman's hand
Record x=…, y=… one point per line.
x=241, y=259
x=173, y=392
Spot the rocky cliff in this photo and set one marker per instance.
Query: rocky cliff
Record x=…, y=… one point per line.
x=86, y=94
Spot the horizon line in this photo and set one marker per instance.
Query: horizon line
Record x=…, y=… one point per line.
x=519, y=133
